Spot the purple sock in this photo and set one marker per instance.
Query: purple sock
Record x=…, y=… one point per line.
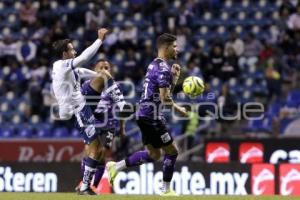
x=89, y=171
x=82, y=167
x=138, y=158
x=168, y=167
x=98, y=175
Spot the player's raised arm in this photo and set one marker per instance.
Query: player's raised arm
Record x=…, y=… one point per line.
x=89, y=52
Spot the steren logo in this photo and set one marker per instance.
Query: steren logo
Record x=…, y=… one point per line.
x=145, y=181
x=292, y=175
x=218, y=152
x=19, y=182
x=252, y=152
x=264, y=175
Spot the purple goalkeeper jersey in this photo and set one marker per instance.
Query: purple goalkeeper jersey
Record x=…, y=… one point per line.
x=158, y=76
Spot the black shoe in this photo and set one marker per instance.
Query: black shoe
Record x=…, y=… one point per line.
x=88, y=191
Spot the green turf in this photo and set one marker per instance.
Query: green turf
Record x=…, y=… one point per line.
x=73, y=196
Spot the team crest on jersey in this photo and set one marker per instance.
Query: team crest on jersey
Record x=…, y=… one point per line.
x=165, y=137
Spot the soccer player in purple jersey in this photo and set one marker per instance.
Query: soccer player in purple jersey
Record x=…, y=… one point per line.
x=101, y=102
x=158, y=85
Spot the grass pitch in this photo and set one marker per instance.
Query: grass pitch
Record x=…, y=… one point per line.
x=73, y=196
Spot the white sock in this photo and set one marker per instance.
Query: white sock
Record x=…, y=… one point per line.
x=166, y=186
x=121, y=165
x=87, y=177
x=84, y=186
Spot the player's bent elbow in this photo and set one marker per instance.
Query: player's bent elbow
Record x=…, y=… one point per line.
x=167, y=101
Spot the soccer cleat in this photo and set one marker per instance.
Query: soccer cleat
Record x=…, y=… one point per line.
x=169, y=193
x=88, y=191
x=77, y=188
x=112, y=172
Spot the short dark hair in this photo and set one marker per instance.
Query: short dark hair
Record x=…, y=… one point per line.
x=165, y=39
x=61, y=46
x=102, y=60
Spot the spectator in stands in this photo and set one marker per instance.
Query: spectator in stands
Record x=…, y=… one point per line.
x=26, y=50
x=44, y=52
x=193, y=69
x=230, y=68
x=236, y=43
x=294, y=20
x=186, y=15
x=128, y=36
x=40, y=31
x=58, y=31
x=8, y=49
x=45, y=14
x=284, y=16
x=15, y=79
x=28, y=13
x=95, y=14
x=182, y=34
x=216, y=60
x=266, y=52
x=199, y=57
x=130, y=65
x=251, y=52
x=89, y=34
x=273, y=78
x=227, y=107
x=147, y=55
x=290, y=48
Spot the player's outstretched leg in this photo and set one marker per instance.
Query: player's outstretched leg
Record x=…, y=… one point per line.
x=98, y=154
x=82, y=165
x=89, y=170
x=135, y=159
x=168, y=169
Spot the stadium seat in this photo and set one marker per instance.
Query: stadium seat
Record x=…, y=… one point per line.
x=61, y=132
x=75, y=133
x=7, y=132
x=1, y=6
x=273, y=109
x=53, y=5
x=43, y=131
x=293, y=98
x=254, y=125
x=24, y=132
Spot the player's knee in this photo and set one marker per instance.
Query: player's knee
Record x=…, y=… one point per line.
x=101, y=154
x=155, y=155
x=93, y=153
x=171, y=150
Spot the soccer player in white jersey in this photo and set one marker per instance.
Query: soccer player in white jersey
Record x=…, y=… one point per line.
x=66, y=76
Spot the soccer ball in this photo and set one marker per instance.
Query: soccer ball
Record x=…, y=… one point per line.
x=193, y=86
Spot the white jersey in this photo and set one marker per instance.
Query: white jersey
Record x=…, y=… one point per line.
x=66, y=87
x=66, y=81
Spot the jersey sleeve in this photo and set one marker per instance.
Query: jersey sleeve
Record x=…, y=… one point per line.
x=164, y=76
